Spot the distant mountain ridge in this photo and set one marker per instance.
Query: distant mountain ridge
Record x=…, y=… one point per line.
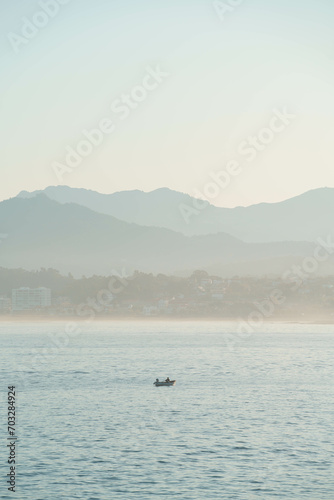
x=72, y=238
x=302, y=218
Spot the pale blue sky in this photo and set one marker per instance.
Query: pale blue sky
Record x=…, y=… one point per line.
x=225, y=78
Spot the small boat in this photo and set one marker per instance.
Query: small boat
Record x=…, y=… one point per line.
x=160, y=383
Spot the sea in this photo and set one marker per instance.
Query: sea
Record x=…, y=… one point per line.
x=250, y=416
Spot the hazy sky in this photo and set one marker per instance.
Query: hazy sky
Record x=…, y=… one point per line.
x=226, y=75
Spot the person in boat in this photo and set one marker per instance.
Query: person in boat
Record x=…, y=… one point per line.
x=157, y=380
x=167, y=379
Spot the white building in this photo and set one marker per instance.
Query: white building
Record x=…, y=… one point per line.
x=24, y=298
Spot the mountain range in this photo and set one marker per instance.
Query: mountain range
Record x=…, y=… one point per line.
x=302, y=218
x=72, y=234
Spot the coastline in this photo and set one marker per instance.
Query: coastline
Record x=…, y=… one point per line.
x=158, y=319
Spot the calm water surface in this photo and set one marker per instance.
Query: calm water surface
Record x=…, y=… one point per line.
x=251, y=419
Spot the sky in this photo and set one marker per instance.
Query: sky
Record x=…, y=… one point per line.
x=183, y=92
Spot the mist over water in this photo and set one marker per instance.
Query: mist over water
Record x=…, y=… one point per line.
x=249, y=423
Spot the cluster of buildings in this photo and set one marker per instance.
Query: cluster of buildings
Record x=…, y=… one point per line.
x=199, y=295
x=211, y=296
x=26, y=299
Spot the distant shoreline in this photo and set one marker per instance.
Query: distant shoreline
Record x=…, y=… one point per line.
x=157, y=319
